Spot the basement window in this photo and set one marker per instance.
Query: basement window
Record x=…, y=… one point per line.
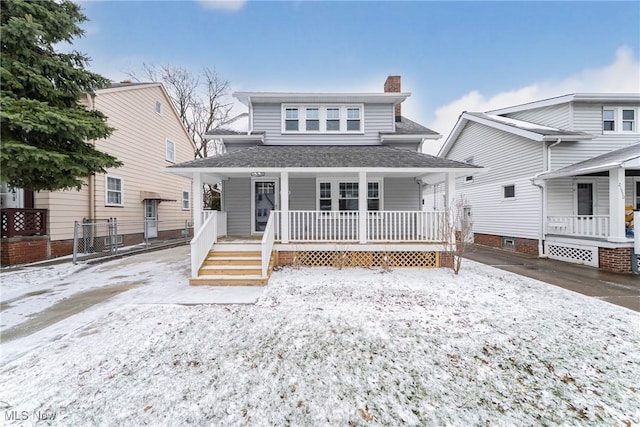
x=509, y=243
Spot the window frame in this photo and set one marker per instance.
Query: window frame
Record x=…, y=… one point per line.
x=619, y=121
x=187, y=199
x=158, y=107
x=166, y=150
x=323, y=118
x=107, y=191
x=504, y=192
x=335, y=192
x=594, y=196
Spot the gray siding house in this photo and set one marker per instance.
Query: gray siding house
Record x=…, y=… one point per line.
x=318, y=179
x=563, y=177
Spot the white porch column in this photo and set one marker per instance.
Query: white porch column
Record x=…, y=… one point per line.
x=616, y=205
x=362, y=206
x=450, y=203
x=284, y=206
x=197, y=202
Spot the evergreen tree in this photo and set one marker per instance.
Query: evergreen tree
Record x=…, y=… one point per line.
x=45, y=131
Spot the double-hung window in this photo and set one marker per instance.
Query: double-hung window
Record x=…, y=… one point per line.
x=186, y=203
x=373, y=196
x=330, y=118
x=113, y=191
x=312, y=117
x=348, y=196
x=619, y=119
x=333, y=119
x=353, y=119
x=324, y=201
x=291, y=119
x=170, y=151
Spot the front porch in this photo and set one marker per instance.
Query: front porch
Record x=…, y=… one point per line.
x=315, y=238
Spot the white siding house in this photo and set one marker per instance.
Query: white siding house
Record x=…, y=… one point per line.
x=563, y=177
x=318, y=178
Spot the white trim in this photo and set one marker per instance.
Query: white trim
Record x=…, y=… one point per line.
x=323, y=171
x=106, y=191
x=514, y=192
x=335, y=190
x=404, y=137
x=340, y=97
x=584, y=97
x=188, y=199
x=618, y=120
x=600, y=243
x=276, y=201
x=322, y=118
x=166, y=150
x=360, y=247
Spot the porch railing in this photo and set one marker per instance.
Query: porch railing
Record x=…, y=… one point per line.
x=222, y=220
x=203, y=241
x=405, y=226
x=579, y=225
x=343, y=226
x=24, y=222
x=266, y=245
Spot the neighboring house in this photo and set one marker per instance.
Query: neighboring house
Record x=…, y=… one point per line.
x=563, y=177
x=146, y=200
x=318, y=179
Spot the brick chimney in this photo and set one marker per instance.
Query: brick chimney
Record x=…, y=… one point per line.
x=393, y=85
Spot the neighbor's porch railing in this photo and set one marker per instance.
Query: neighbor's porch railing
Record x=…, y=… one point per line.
x=343, y=226
x=579, y=225
x=24, y=222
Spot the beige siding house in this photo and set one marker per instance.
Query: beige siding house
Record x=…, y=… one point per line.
x=148, y=137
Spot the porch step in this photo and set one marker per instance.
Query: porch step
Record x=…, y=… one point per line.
x=227, y=280
x=233, y=264
x=230, y=270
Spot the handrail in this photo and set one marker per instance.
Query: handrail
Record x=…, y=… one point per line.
x=202, y=243
x=266, y=245
x=579, y=225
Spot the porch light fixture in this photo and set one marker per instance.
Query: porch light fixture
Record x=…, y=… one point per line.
x=257, y=173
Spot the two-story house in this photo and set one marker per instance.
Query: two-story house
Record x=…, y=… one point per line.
x=318, y=179
x=147, y=202
x=563, y=177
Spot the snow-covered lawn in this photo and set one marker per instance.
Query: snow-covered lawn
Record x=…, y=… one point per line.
x=350, y=347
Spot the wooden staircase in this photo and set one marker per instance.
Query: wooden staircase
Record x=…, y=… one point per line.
x=233, y=265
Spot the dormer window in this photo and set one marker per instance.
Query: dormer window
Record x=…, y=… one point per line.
x=312, y=119
x=333, y=119
x=322, y=118
x=291, y=119
x=619, y=119
x=353, y=119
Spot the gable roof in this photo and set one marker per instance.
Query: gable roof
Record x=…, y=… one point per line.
x=582, y=97
x=119, y=87
x=628, y=157
x=307, y=156
x=522, y=128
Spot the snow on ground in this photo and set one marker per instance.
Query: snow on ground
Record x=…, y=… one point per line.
x=85, y=293
x=349, y=347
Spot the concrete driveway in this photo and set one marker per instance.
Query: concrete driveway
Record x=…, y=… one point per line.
x=616, y=288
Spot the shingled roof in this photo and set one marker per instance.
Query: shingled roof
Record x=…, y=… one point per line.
x=336, y=156
x=409, y=127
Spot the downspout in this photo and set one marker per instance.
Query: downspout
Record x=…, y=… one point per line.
x=92, y=177
x=546, y=160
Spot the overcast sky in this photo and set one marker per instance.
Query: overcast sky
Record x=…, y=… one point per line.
x=452, y=56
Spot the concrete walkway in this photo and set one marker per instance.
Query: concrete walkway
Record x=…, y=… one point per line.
x=616, y=288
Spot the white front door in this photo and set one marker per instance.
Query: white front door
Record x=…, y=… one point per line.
x=263, y=201
x=150, y=219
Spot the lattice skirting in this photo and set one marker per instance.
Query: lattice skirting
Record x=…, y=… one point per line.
x=576, y=254
x=362, y=259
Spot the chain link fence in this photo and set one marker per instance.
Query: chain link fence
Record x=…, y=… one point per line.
x=107, y=237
